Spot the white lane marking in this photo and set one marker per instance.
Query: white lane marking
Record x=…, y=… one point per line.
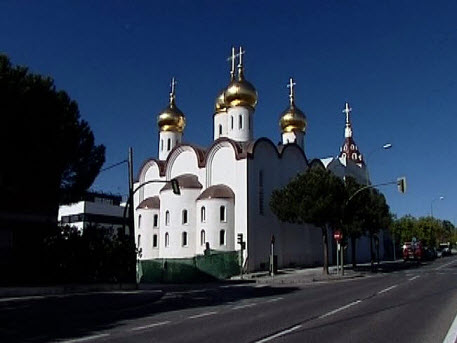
x=243, y=306
x=150, y=326
x=387, y=289
x=261, y=286
x=85, y=339
x=202, y=315
x=451, y=336
x=274, y=299
x=279, y=334
x=414, y=278
x=445, y=265
x=340, y=309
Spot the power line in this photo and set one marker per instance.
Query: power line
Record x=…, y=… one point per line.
x=113, y=165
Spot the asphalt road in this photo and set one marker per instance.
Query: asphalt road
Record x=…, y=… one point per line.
x=408, y=305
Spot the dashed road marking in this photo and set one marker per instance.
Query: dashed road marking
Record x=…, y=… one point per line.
x=274, y=299
x=340, y=309
x=150, y=326
x=87, y=338
x=243, y=306
x=387, y=289
x=445, y=265
x=204, y=314
x=451, y=336
x=414, y=278
x=279, y=334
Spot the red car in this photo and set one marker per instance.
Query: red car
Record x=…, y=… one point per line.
x=412, y=251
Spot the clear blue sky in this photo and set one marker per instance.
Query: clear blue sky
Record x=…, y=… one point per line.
x=394, y=61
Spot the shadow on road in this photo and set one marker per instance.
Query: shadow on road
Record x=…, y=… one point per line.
x=60, y=317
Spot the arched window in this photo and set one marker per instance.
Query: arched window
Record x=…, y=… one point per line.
x=139, y=221
x=167, y=240
x=167, y=218
x=232, y=122
x=220, y=129
x=352, y=146
x=184, y=216
x=354, y=156
x=202, y=237
x=168, y=144
x=184, y=239
x=222, y=215
x=261, y=193
x=161, y=145
x=156, y=220
x=222, y=237
x=240, y=122
x=154, y=241
x=203, y=214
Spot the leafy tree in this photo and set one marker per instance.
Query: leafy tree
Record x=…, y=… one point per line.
x=314, y=197
x=48, y=152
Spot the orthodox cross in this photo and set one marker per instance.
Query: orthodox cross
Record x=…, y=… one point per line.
x=347, y=110
x=173, y=88
x=291, y=85
x=240, y=54
x=232, y=59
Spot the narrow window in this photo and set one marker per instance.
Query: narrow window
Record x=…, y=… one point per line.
x=167, y=240
x=154, y=241
x=168, y=144
x=203, y=214
x=240, y=122
x=184, y=216
x=222, y=213
x=354, y=156
x=202, y=237
x=261, y=194
x=167, y=218
x=139, y=221
x=220, y=129
x=139, y=241
x=222, y=237
x=156, y=220
x=161, y=145
x=232, y=122
x=184, y=239
x=249, y=123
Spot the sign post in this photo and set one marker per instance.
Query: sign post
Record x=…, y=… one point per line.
x=338, y=236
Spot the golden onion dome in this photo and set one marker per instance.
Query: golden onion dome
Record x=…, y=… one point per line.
x=292, y=119
x=220, y=105
x=171, y=118
x=241, y=93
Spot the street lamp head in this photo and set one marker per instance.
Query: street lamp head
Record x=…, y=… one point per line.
x=387, y=146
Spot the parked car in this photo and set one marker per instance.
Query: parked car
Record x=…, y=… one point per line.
x=430, y=253
x=413, y=251
x=446, y=248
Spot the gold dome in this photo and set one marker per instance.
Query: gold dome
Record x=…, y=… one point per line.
x=292, y=119
x=171, y=118
x=241, y=93
x=220, y=105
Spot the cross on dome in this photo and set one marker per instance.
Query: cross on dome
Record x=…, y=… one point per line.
x=291, y=85
x=173, y=89
x=347, y=110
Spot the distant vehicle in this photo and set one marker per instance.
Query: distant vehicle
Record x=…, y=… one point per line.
x=446, y=248
x=430, y=253
x=413, y=251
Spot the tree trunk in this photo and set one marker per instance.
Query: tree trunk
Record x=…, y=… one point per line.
x=325, y=247
x=353, y=251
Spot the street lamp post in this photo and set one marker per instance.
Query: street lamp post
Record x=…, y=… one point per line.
x=431, y=204
x=386, y=146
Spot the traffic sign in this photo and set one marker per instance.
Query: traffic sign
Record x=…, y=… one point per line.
x=338, y=235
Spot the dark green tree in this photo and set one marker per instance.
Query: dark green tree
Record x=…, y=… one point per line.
x=316, y=197
x=48, y=153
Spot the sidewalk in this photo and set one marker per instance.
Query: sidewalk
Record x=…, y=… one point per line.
x=301, y=275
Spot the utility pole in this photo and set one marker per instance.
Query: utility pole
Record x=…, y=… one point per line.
x=130, y=200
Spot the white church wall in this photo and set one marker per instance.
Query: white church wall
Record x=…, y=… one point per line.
x=223, y=168
x=184, y=161
x=220, y=125
x=145, y=229
x=293, y=243
x=175, y=227
x=242, y=129
x=212, y=224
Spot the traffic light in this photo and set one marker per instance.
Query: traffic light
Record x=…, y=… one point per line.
x=240, y=238
x=175, y=186
x=401, y=184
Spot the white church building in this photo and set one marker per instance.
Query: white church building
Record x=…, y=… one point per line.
x=226, y=187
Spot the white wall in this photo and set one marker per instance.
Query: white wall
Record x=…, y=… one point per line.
x=222, y=120
x=147, y=230
x=245, y=133
x=213, y=225
x=164, y=148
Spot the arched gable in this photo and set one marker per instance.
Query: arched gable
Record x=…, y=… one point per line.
x=183, y=159
x=218, y=158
